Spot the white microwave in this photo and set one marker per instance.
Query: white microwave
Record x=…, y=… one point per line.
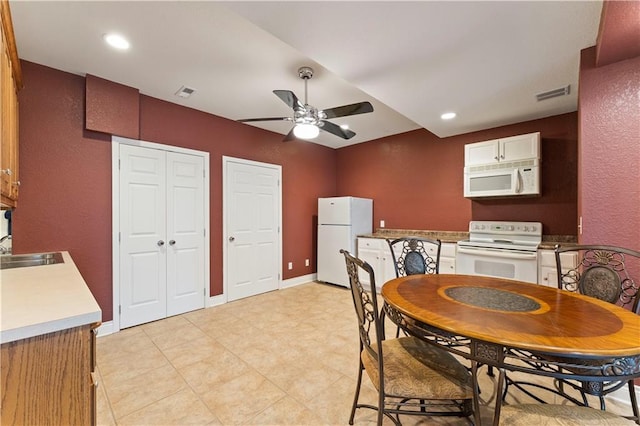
x=502, y=179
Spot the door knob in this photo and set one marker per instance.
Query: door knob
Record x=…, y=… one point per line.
x=172, y=242
x=232, y=239
x=160, y=243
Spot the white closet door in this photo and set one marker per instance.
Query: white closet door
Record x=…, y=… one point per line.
x=143, y=287
x=185, y=233
x=252, y=203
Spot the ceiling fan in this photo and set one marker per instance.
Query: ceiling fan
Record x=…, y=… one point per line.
x=310, y=120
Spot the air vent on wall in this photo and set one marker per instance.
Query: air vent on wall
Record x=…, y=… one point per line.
x=185, y=92
x=554, y=93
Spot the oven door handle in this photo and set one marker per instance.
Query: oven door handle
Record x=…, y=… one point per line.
x=505, y=254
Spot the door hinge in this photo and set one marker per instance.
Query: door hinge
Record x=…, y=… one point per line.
x=204, y=232
x=119, y=237
x=119, y=309
x=278, y=276
x=118, y=164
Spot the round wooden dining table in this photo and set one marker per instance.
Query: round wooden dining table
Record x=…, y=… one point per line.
x=519, y=326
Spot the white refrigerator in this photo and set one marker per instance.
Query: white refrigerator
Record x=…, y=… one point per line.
x=340, y=221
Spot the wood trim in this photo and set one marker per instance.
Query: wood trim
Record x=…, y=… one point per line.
x=7, y=25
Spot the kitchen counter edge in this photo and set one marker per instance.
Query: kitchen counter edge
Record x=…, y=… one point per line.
x=44, y=299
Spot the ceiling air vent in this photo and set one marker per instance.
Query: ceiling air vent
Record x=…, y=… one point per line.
x=185, y=92
x=554, y=93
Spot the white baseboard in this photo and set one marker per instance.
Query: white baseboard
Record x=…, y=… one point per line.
x=105, y=329
x=292, y=282
x=220, y=299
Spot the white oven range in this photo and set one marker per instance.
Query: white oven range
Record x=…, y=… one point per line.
x=501, y=249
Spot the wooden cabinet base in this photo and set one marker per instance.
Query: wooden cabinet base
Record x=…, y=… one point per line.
x=46, y=380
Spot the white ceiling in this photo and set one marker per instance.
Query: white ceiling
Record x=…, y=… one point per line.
x=412, y=60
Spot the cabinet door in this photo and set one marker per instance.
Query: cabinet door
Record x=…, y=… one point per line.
x=481, y=153
x=372, y=257
x=46, y=379
x=8, y=127
x=387, y=265
x=447, y=265
x=520, y=147
x=547, y=276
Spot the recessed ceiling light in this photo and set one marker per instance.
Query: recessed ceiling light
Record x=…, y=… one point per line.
x=117, y=41
x=344, y=126
x=448, y=115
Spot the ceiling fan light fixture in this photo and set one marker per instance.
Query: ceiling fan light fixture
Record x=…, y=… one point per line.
x=306, y=131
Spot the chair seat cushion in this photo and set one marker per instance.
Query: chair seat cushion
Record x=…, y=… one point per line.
x=415, y=369
x=561, y=415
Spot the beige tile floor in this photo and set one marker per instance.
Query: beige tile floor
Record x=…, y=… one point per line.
x=287, y=357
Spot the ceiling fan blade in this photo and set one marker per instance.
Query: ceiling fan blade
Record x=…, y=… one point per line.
x=290, y=136
x=328, y=126
x=353, y=109
x=289, y=98
x=247, y=120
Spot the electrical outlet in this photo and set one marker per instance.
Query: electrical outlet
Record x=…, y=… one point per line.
x=382, y=223
x=290, y=265
x=306, y=262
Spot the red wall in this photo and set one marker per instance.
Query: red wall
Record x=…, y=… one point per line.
x=609, y=157
x=416, y=180
x=65, y=197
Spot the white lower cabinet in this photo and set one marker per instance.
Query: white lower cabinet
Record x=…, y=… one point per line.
x=376, y=252
x=448, y=258
x=547, y=271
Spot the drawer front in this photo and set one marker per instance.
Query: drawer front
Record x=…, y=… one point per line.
x=448, y=250
x=372, y=243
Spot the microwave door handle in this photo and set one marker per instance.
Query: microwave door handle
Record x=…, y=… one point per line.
x=518, y=180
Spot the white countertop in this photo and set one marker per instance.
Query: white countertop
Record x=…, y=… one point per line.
x=42, y=299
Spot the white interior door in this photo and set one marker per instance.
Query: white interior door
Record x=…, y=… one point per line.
x=185, y=231
x=143, y=294
x=252, y=223
x=162, y=222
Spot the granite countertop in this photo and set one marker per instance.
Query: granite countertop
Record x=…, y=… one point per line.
x=548, y=241
x=43, y=299
x=444, y=236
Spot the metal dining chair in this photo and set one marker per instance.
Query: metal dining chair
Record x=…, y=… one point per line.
x=411, y=376
x=416, y=255
x=606, y=273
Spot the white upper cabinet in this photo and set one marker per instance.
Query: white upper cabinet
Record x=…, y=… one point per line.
x=503, y=150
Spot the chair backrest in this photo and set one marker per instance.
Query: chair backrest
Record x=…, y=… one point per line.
x=603, y=272
x=416, y=255
x=366, y=305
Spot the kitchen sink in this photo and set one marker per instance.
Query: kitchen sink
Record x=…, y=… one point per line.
x=24, y=260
